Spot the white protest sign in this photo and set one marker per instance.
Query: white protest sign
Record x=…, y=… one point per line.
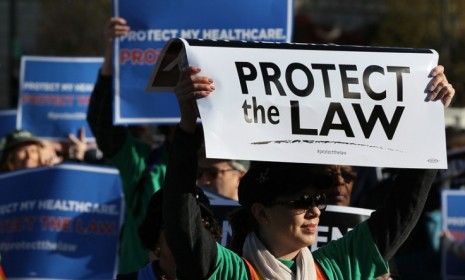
x=309, y=103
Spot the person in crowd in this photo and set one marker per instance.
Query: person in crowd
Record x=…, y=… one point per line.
x=141, y=166
x=341, y=179
x=152, y=234
x=221, y=176
x=283, y=203
x=24, y=150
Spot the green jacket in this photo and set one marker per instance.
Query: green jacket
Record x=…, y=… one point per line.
x=129, y=156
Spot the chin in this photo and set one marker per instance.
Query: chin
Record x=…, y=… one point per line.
x=305, y=241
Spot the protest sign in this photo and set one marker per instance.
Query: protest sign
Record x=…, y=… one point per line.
x=7, y=122
x=309, y=103
x=153, y=23
x=60, y=222
x=54, y=94
x=336, y=221
x=453, y=222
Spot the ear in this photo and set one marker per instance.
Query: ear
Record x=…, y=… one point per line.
x=260, y=214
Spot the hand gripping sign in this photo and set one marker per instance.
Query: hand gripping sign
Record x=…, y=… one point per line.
x=312, y=103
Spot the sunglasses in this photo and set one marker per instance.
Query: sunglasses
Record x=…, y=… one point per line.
x=211, y=172
x=306, y=202
x=330, y=178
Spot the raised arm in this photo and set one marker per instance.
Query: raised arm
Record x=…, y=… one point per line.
x=391, y=224
x=109, y=138
x=193, y=247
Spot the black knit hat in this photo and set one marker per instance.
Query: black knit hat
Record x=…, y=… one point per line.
x=265, y=181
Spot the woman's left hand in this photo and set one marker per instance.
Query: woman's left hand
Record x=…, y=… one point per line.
x=439, y=88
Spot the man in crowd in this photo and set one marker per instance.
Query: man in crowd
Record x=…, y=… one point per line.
x=221, y=176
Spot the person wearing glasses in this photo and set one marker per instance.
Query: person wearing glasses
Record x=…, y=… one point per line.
x=341, y=179
x=221, y=176
x=280, y=208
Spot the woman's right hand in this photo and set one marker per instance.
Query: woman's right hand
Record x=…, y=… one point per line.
x=191, y=87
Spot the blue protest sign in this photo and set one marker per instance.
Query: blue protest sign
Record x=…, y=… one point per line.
x=7, y=121
x=153, y=23
x=55, y=93
x=60, y=222
x=453, y=215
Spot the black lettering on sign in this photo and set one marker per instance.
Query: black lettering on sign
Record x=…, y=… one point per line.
x=346, y=81
x=366, y=82
x=328, y=124
x=243, y=77
x=324, y=73
x=378, y=114
x=399, y=70
x=258, y=111
x=290, y=82
x=269, y=78
x=295, y=121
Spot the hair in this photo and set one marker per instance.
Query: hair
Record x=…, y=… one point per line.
x=150, y=229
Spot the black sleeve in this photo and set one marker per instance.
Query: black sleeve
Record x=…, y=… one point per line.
x=110, y=138
x=193, y=247
x=391, y=224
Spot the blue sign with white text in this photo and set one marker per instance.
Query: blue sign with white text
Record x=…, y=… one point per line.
x=153, y=23
x=453, y=225
x=60, y=222
x=55, y=93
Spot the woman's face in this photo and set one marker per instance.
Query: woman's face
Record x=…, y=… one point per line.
x=292, y=223
x=25, y=156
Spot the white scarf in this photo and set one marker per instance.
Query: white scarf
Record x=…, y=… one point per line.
x=270, y=267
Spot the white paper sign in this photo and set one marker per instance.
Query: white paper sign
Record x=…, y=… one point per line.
x=314, y=103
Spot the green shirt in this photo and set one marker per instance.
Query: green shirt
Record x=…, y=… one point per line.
x=130, y=161
x=354, y=256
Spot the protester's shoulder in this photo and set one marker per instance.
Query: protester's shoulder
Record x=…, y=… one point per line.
x=229, y=265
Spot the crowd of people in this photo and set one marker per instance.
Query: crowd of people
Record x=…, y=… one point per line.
x=169, y=230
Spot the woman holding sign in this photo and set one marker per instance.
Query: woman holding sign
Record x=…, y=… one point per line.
x=281, y=206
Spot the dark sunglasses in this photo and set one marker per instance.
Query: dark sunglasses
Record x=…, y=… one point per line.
x=329, y=178
x=212, y=173
x=306, y=202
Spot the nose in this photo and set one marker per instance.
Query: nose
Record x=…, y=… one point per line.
x=339, y=179
x=337, y=176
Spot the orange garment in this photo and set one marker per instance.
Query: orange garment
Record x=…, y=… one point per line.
x=2, y=274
